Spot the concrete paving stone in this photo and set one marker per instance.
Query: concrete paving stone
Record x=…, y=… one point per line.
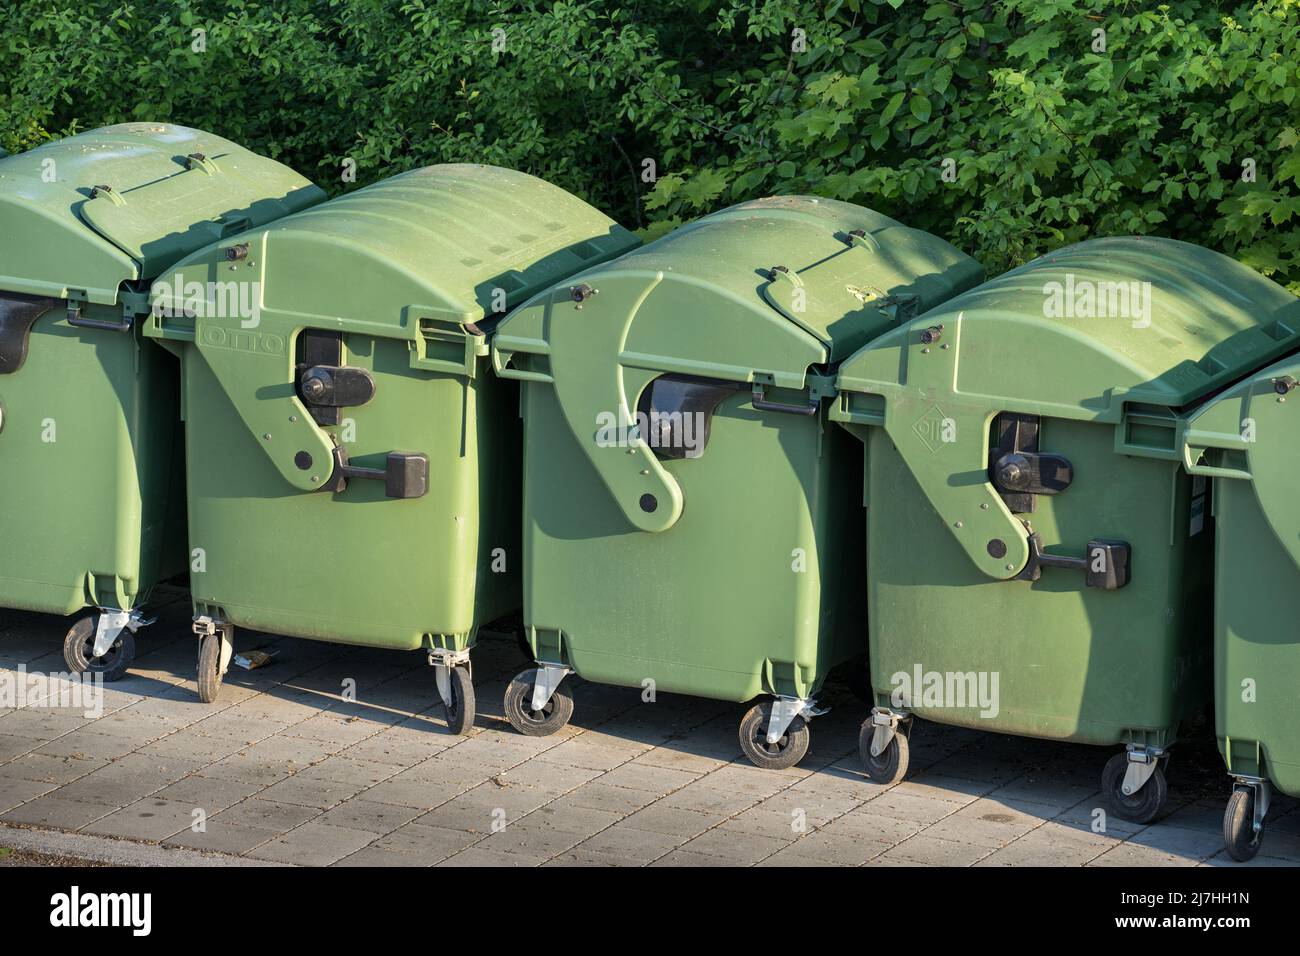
x=150, y=819
x=986, y=822
x=481, y=856
x=572, y=818
x=246, y=768
x=682, y=858
x=951, y=789
x=581, y=753
x=40, y=723
x=210, y=793
x=477, y=810
x=935, y=851
x=57, y=812
x=696, y=796
x=50, y=768
x=337, y=769
x=864, y=824
x=743, y=778
x=1051, y=844
x=305, y=792
x=774, y=824
x=218, y=836
x=554, y=778
x=371, y=856
x=1046, y=791
x=733, y=846
x=846, y=848
x=335, y=731
x=630, y=845
x=390, y=749
x=575, y=858
x=533, y=839
x=1203, y=815
x=313, y=844
x=599, y=795
x=678, y=759
x=11, y=746
x=1133, y=854
x=1195, y=845
x=917, y=807
x=125, y=725
x=259, y=814
x=15, y=791
x=603, y=737
x=418, y=794
x=816, y=808
x=430, y=844
x=440, y=769
x=1085, y=815
x=654, y=779
x=87, y=743
x=369, y=815
x=189, y=745
x=673, y=821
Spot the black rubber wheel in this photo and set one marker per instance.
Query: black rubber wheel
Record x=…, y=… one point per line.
x=460, y=709
x=210, y=672
x=79, y=643
x=891, y=766
x=1239, y=834
x=536, y=723
x=1141, y=807
x=786, y=752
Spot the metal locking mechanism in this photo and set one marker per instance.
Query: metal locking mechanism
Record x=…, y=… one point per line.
x=325, y=385
x=405, y=474
x=1105, y=565
x=1018, y=469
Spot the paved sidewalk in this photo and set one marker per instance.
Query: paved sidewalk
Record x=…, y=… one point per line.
x=282, y=768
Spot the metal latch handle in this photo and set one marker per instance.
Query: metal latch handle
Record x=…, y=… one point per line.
x=1105, y=563
x=405, y=474
x=760, y=402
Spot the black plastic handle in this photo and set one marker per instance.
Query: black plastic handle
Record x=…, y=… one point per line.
x=762, y=404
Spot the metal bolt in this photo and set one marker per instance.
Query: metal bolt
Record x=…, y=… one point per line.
x=958, y=525
x=925, y=351
x=293, y=418
x=1011, y=567
x=267, y=436
x=984, y=506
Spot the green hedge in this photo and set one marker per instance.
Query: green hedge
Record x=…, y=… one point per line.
x=1000, y=125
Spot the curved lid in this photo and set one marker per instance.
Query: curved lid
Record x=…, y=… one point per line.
x=1147, y=320
x=774, y=284
x=452, y=242
x=86, y=213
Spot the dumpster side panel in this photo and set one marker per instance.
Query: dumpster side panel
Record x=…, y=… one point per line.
x=81, y=414
x=1257, y=651
x=1070, y=662
x=352, y=567
x=717, y=606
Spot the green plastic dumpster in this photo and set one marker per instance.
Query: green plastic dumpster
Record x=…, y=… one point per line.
x=683, y=529
x=1248, y=443
x=1039, y=561
x=92, y=514
x=353, y=472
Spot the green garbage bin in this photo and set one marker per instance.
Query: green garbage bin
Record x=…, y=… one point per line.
x=353, y=472
x=1248, y=443
x=683, y=529
x=1039, y=561
x=93, y=506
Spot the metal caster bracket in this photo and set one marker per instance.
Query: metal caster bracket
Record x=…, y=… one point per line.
x=1142, y=764
x=885, y=723
x=205, y=626
x=785, y=710
x=442, y=661
x=547, y=677
x=1262, y=793
x=111, y=623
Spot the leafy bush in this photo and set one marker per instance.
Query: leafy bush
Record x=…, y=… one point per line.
x=1005, y=126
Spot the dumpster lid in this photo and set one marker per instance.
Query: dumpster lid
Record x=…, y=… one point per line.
x=818, y=272
x=457, y=243
x=86, y=213
x=1145, y=319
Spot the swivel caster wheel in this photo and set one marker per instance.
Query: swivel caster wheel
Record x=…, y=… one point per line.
x=79, y=649
x=891, y=764
x=526, y=719
x=1141, y=806
x=215, y=650
x=784, y=752
x=1239, y=833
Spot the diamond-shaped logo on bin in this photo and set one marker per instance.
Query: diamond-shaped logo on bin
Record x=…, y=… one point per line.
x=933, y=428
